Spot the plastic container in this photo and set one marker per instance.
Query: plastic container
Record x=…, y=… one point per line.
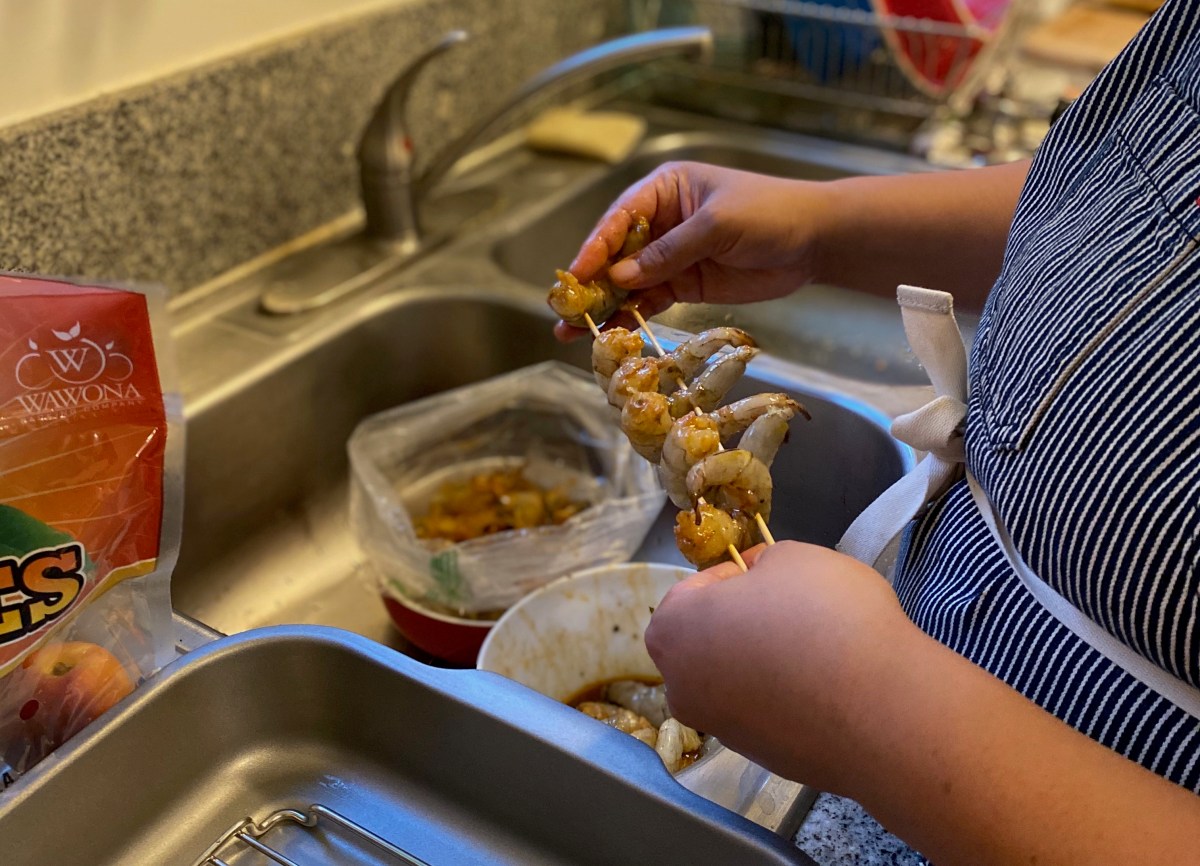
x=549, y=419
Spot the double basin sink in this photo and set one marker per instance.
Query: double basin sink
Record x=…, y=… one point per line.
x=271, y=402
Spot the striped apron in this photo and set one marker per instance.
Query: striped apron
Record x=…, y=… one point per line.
x=1063, y=553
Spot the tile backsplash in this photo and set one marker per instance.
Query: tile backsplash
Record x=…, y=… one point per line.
x=179, y=180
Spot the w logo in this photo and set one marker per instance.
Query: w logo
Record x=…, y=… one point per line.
x=72, y=360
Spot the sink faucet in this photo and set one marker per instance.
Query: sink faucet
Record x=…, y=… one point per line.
x=392, y=191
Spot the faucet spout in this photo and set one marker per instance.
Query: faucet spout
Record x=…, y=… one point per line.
x=391, y=192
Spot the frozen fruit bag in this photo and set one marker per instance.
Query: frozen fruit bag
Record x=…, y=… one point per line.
x=90, y=506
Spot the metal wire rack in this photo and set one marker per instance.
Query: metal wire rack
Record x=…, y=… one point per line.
x=246, y=835
x=773, y=55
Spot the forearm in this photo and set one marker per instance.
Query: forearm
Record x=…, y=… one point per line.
x=969, y=771
x=941, y=230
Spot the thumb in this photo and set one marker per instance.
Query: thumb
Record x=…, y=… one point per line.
x=665, y=257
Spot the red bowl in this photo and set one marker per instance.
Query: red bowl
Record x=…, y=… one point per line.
x=936, y=64
x=449, y=638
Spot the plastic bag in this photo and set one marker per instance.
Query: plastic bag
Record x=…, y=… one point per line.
x=549, y=419
x=90, y=506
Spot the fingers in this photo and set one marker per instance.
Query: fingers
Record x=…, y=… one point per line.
x=565, y=333
x=655, y=197
x=664, y=258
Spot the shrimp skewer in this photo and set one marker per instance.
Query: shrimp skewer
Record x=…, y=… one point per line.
x=731, y=547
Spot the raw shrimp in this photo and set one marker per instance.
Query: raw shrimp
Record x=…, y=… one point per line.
x=703, y=535
x=764, y=436
x=646, y=419
x=611, y=349
x=674, y=740
x=645, y=700
x=573, y=301
x=714, y=383
x=732, y=480
x=691, y=354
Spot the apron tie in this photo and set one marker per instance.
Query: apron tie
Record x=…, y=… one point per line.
x=936, y=428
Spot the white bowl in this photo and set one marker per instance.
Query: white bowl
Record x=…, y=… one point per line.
x=580, y=629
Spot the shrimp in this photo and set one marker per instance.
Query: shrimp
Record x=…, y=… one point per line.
x=626, y=721
x=704, y=534
x=690, y=439
x=691, y=354
x=694, y=437
x=732, y=480
x=674, y=740
x=706, y=392
x=641, y=375
x=573, y=301
x=646, y=420
x=611, y=349
x=645, y=700
x=636, y=239
x=764, y=436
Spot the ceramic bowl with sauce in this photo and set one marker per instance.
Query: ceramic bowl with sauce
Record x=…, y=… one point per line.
x=580, y=630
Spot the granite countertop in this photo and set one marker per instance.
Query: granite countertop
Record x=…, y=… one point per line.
x=839, y=832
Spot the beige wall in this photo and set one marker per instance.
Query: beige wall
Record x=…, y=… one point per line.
x=54, y=53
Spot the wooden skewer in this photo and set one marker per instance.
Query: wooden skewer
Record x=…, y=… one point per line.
x=762, y=527
x=737, y=557
x=592, y=325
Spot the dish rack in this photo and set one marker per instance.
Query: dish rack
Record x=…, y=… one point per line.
x=246, y=836
x=830, y=64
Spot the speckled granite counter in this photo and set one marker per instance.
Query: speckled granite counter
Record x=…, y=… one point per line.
x=183, y=178
x=839, y=832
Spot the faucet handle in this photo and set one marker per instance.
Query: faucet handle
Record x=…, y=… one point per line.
x=385, y=155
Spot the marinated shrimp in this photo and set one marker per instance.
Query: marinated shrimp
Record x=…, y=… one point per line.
x=734, y=481
x=694, y=437
x=574, y=300
x=689, y=440
x=703, y=534
x=676, y=739
x=645, y=420
x=610, y=350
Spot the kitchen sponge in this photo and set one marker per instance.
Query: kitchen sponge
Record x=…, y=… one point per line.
x=605, y=135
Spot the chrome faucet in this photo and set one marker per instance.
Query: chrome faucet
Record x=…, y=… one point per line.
x=392, y=191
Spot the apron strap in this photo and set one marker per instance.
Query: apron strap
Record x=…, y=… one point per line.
x=1171, y=687
x=937, y=427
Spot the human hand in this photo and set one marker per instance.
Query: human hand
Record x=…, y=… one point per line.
x=780, y=663
x=721, y=237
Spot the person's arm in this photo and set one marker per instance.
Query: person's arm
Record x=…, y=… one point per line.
x=942, y=230
x=723, y=236
x=807, y=665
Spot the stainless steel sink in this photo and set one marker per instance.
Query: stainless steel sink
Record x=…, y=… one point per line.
x=452, y=767
x=823, y=326
x=272, y=400
x=266, y=537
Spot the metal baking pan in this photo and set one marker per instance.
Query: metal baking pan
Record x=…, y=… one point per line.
x=447, y=766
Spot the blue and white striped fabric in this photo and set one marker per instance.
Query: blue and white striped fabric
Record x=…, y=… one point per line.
x=1083, y=421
